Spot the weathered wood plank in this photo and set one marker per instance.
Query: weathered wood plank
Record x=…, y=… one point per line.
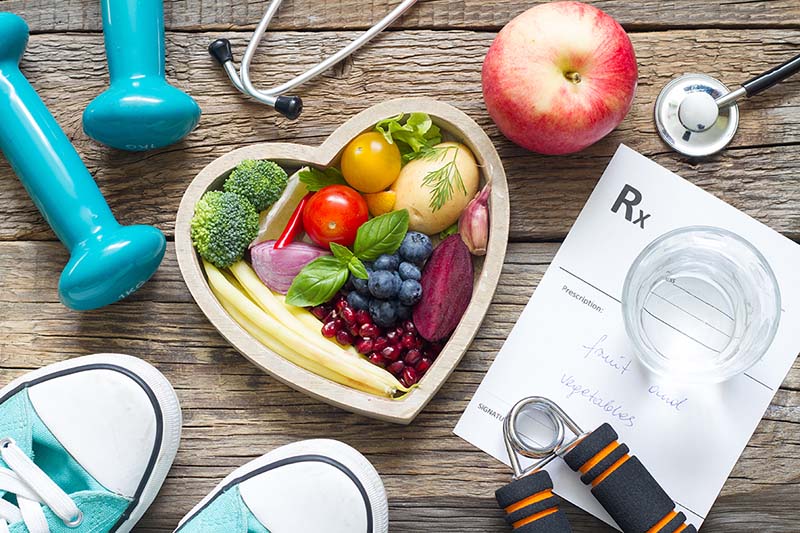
x=203, y=15
x=758, y=175
x=233, y=412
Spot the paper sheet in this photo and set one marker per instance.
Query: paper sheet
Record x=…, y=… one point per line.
x=570, y=345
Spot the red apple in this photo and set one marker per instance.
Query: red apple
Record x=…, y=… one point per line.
x=559, y=77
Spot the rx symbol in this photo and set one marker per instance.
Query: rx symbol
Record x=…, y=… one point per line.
x=630, y=197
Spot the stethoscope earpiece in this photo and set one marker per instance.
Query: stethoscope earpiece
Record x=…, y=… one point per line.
x=289, y=106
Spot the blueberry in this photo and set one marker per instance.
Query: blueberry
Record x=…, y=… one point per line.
x=358, y=301
x=409, y=271
x=360, y=285
x=387, y=262
x=403, y=312
x=416, y=247
x=384, y=284
x=383, y=312
x=410, y=292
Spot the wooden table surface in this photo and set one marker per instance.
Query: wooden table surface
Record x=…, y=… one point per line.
x=233, y=412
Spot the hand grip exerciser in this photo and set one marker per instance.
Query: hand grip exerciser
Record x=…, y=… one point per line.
x=619, y=481
x=108, y=261
x=140, y=111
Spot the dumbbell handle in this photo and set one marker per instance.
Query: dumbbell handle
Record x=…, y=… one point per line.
x=623, y=486
x=43, y=157
x=531, y=506
x=134, y=37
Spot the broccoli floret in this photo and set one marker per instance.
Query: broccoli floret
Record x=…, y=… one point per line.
x=223, y=226
x=261, y=182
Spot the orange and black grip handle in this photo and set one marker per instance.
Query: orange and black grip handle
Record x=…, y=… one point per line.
x=531, y=506
x=623, y=486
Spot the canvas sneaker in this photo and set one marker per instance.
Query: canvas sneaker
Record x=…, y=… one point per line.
x=310, y=486
x=85, y=445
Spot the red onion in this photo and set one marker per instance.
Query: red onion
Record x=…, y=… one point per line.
x=278, y=268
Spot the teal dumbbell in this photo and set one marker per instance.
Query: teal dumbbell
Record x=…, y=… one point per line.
x=108, y=261
x=140, y=110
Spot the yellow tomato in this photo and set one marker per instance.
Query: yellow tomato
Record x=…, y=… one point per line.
x=369, y=163
x=380, y=203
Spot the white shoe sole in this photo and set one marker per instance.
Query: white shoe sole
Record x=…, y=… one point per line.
x=348, y=457
x=160, y=391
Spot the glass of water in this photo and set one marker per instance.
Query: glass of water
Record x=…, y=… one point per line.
x=701, y=305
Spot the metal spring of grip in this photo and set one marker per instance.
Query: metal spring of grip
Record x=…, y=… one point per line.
x=517, y=444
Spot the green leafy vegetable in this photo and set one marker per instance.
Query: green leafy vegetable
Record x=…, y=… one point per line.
x=411, y=134
x=318, y=282
x=357, y=268
x=341, y=252
x=353, y=263
x=452, y=230
x=315, y=179
x=381, y=235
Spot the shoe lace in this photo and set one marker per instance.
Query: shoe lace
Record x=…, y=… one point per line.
x=32, y=487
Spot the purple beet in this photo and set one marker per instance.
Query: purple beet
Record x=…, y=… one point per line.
x=446, y=290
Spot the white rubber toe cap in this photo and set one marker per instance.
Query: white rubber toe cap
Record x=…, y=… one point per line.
x=320, y=485
x=310, y=486
x=105, y=411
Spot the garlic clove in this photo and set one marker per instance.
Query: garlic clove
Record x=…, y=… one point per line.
x=474, y=222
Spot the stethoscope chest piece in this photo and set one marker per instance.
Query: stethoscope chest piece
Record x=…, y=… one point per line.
x=689, y=119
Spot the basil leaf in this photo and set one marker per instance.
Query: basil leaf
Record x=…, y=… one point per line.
x=315, y=179
x=381, y=235
x=318, y=282
x=357, y=268
x=341, y=252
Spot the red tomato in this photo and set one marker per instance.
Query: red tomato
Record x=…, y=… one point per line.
x=334, y=214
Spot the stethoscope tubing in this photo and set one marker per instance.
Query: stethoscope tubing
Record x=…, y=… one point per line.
x=762, y=82
x=243, y=82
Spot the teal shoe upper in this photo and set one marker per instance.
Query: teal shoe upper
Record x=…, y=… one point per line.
x=101, y=508
x=226, y=513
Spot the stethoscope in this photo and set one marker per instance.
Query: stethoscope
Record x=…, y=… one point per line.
x=289, y=106
x=697, y=115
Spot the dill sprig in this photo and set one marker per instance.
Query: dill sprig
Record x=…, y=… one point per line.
x=442, y=181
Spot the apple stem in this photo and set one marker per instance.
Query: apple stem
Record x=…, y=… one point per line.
x=574, y=77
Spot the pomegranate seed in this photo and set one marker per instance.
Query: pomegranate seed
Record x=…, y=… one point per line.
x=353, y=329
x=369, y=330
x=422, y=366
x=341, y=304
x=409, y=326
x=320, y=312
x=399, y=331
x=410, y=376
x=348, y=315
x=377, y=359
x=343, y=337
x=380, y=344
x=410, y=341
x=391, y=353
x=338, y=323
x=364, y=346
x=329, y=329
x=396, y=368
x=413, y=356
x=392, y=337
x=362, y=317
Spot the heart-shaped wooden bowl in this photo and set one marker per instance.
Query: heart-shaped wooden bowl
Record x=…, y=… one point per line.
x=457, y=126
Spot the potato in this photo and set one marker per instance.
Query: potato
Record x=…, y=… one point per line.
x=415, y=195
